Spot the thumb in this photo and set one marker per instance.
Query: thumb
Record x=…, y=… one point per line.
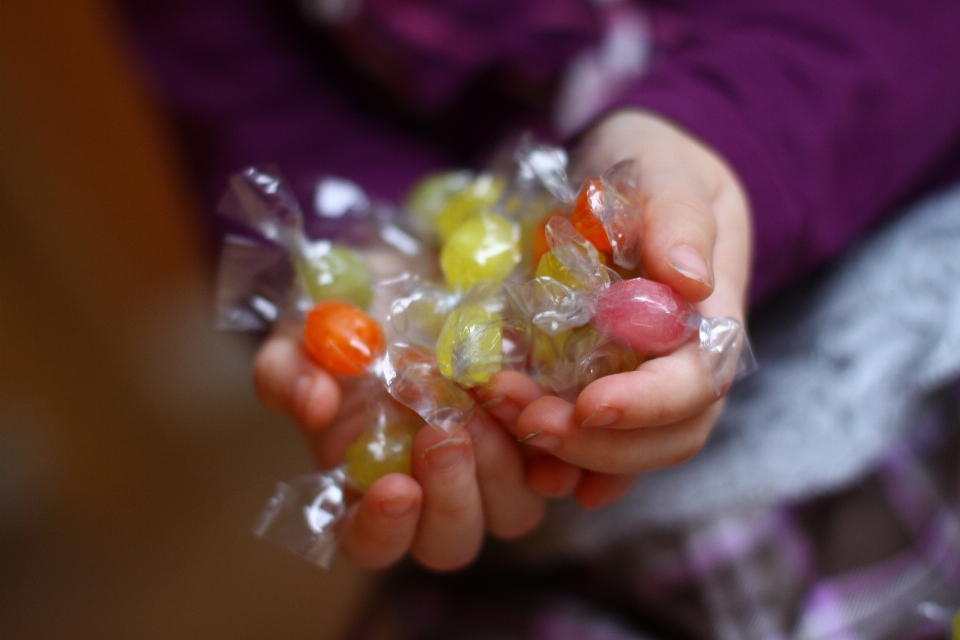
x=679, y=233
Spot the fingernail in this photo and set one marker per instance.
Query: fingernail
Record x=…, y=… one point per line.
x=603, y=417
x=493, y=402
x=446, y=455
x=303, y=397
x=542, y=440
x=688, y=262
x=396, y=506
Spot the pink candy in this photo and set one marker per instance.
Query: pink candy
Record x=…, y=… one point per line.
x=650, y=316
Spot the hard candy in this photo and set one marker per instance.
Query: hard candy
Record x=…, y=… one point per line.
x=484, y=247
x=470, y=348
x=430, y=196
x=652, y=317
x=588, y=214
x=380, y=451
x=477, y=197
x=335, y=272
x=342, y=338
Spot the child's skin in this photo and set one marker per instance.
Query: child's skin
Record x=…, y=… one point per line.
x=696, y=239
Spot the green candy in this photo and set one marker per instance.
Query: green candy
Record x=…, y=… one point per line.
x=478, y=196
x=430, y=196
x=335, y=272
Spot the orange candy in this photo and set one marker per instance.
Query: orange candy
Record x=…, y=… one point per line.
x=586, y=215
x=342, y=338
x=540, y=245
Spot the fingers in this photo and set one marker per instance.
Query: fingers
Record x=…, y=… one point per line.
x=507, y=394
x=550, y=424
x=511, y=508
x=600, y=489
x=660, y=392
x=552, y=478
x=288, y=382
x=688, y=192
x=679, y=233
x=450, y=530
x=380, y=529
x=461, y=485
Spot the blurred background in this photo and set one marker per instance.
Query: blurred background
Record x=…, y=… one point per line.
x=133, y=454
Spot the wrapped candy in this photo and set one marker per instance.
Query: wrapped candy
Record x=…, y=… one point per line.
x=342, y=338
x=485, y=247
x=303, y=515
x=487, y=333
x=649, y=317
x=533, y=281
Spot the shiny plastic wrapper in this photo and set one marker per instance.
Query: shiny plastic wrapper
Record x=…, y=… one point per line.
x=412, y=376
x=567, y=362
x=552, y=306
x=542, y=167
x=622, y=215
x=418, y=309
x=487, y=333
x=254, y=290
x=533, y=281
x=302, y=516
x=578, y=256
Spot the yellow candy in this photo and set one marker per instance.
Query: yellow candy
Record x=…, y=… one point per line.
x=430, y=196
x=484, y=247
x=551, y=267
x=470, y=348
x=480, y=195
x=378, y=452
x=548, y=349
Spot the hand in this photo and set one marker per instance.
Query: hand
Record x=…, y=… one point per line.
x=696, y=238
x=461, y=485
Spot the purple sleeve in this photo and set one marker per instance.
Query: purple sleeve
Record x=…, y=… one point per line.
x=831, y=113
x=245, y=88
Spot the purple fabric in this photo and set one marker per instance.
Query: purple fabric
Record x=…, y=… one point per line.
x=766, y=574
x=831, y=114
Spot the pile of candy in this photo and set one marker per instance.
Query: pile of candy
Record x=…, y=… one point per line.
x=536, y=277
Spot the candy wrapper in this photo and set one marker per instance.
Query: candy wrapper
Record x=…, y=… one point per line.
x=537, y=277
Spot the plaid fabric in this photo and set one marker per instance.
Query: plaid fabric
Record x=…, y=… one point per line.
x=879, y=561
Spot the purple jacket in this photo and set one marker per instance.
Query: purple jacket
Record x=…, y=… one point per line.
x=832, y=114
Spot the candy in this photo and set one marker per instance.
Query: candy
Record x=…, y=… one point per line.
x=470, y=347
x=342, y=338
x=574, y=321
x=411, y=374
x=380, y=451
x=588, y=213
x=650, y=316
x=478, y=197
x=417, y=315
x=335, y=272
x=622, y=215
x=551, y=267
x=430, y=196
x=570, y=361
x=484, y=247
x=538, y=242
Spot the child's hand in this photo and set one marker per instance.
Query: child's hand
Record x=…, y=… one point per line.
x=696, y=238
x=461, y=486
